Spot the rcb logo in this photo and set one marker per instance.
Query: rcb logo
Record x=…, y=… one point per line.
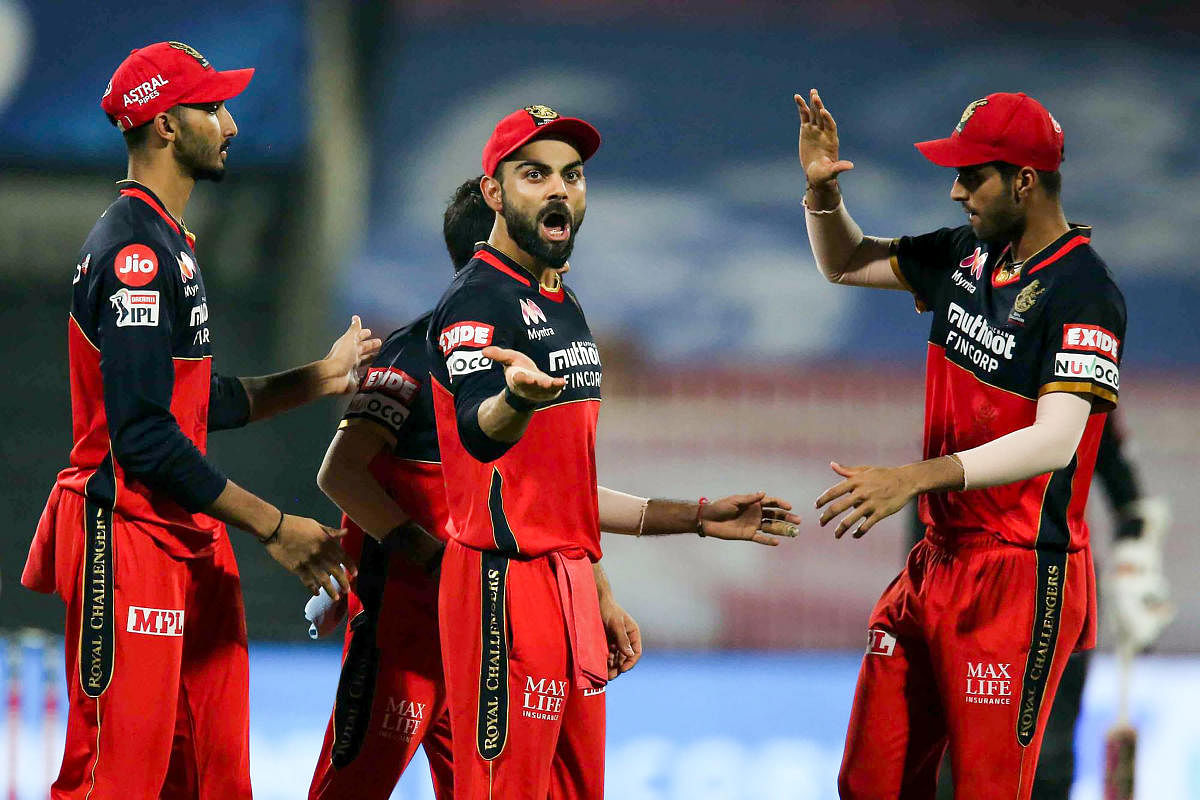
x=191, y=51
x=968, y=113
x=1028, y=296
x=541, y=114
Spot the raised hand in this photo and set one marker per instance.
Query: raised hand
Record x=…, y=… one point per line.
x=311, y=552
x=749, y=518
x=351, y=351
x=819, y=142
x=523, y=377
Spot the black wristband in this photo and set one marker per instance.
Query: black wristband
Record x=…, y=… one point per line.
x=275, y=533
x=518, y=403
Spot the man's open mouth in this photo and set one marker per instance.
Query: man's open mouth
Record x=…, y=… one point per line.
x=556, y=226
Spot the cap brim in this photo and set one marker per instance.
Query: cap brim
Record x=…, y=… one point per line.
x=219, y=86
x=952, y=152
x=584, y=137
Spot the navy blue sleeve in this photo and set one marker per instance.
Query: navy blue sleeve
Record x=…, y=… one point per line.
x=390, y=388
x=467, y=321
x=135, y=328
x=1085, y=323
x=228, y=404
x=922, y=262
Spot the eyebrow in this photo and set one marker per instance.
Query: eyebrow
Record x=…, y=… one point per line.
x=546, y=167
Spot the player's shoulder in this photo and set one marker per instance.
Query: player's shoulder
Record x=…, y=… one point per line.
x=409, y=337
x=1082, y=268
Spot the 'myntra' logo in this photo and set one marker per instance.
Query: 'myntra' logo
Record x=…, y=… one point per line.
x=531, y=313
x=974, y=263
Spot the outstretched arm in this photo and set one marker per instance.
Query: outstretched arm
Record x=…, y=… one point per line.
x=334, y=374
x=842, y=253
x=871, y=494
x=504, y=416
x=746, y=517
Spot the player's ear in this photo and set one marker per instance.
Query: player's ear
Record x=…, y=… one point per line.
x=165, y=125
x=493, y=195
x=1023, y=184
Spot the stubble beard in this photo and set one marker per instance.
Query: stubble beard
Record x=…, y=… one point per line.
x=198, y=158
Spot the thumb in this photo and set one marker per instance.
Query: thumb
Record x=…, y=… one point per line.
x=355, y=322
x=499, y=354
x=334, y=533
x=839, y=167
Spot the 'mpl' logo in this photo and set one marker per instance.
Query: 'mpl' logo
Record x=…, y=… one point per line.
x=155, y=621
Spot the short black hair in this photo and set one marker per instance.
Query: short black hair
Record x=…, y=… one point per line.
x=1051, y=181
x=467, y=221
x=136, y=138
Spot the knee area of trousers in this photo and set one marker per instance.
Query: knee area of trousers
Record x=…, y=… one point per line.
x=856, y=785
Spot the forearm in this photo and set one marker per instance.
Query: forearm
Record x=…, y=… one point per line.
x=641, y=516
x=843, y=254
x=347, y=481
x=603, y=587
x=242, y=509
x=273, y=394
x=504, y=417
x=1047, y=445
x=620, y=512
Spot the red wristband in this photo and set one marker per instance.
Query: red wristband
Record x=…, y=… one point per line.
x=700, y=522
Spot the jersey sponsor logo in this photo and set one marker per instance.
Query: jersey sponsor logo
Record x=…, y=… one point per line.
x=1092, y=338
x=1027, y=298
x=187, y=266
x=402, y=718
x=988, y=684
x=391, y=381
x=543, y=698
x=155, y=621
x=144, y=92
x=578, y=354
x=381, y=408
x=535, y=334
x=135, y=307
x=81, y=269
x=1092, y=368
x=466, y=362
x=135, y=265
x=199, y=314
x=880, y=642
x=965, y=283
x=974, y=263
x=200, y=338
x=465, y=334
x=977, y=339
x=531, y=313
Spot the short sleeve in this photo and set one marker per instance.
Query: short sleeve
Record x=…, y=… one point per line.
x=1084, y=343
x=922, y=262
x=390, y=388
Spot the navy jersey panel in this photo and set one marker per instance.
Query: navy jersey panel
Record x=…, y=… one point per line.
x=1002, y=334
x=394, y=395
x=141, y=378
x=539, y=494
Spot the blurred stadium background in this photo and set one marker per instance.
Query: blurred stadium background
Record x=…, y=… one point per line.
x=731, y=365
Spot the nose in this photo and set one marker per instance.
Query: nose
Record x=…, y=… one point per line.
x=556, y=187
x=229, y=128
x=958, y=192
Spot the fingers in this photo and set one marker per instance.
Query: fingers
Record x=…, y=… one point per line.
x=777, y=502
x=780, y=528
x=528, y=377
x=849, y=501
x=621, y=639
x=770, y=513
x=846, y=472
x=355, y=322
x=832, y=493
x=802, y=107
x=503, y=355
x=848, y=521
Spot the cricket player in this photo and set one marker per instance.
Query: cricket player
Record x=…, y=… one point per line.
x=516, y=392
x=132, y=537
x=383, y=469
x=968, y=644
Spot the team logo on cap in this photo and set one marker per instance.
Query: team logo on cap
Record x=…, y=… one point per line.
x=191, y=51
x=107, y=89
x=969, y=112
x=542, y=114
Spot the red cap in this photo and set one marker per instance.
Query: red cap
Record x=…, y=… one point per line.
x=1013, y=128
x=533, y=122
x=158, y=76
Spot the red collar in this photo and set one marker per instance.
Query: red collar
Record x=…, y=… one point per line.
x=498, y=260
x=143, y=193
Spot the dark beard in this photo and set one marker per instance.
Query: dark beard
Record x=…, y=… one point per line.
x=197, y=159
x=524, y=231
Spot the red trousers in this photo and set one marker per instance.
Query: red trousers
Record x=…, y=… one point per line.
x=157, y=671
x=966, y=649
x=519, y=643
x=408, y=709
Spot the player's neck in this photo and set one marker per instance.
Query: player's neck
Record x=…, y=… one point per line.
x=500, y=240
x=166, y=179
x=1040, y=230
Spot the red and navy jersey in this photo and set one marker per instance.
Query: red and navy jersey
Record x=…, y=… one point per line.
x=395, y=399
x=538, y=495
x=143, y=393
x=1003, y=334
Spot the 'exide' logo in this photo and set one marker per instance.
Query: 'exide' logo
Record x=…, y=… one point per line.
x=389, y=380
x=468, y=334
x=155, y=621
x=1090, y=337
